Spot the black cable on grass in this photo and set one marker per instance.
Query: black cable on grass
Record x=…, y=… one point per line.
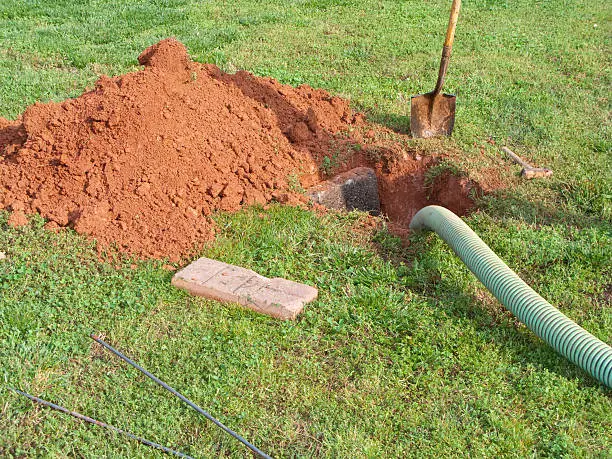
x=181, y=396
x=82, y=417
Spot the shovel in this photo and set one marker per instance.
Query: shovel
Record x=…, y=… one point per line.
x=433, y=114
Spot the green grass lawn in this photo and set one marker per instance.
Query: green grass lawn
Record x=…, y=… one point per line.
x=404, y=353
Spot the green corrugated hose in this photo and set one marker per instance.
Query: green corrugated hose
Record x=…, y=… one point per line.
x=564, y=335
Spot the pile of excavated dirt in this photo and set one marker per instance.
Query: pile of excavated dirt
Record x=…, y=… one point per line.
x=143, y=160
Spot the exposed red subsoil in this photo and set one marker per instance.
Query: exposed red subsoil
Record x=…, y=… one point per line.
x=141, y=161
x=404, y=189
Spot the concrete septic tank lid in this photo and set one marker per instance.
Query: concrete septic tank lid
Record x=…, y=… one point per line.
x=356, y=189
x=279, y=298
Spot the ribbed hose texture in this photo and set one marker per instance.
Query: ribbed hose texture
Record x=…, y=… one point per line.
x=564, y=335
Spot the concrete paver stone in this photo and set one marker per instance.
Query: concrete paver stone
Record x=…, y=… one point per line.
x=280, y=298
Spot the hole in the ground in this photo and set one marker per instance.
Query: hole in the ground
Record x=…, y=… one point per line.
x=407, y=186
x=399, y=188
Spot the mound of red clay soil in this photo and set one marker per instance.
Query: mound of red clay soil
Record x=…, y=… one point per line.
x=143, y=160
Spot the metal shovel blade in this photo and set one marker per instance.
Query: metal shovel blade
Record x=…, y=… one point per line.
x=432, y=115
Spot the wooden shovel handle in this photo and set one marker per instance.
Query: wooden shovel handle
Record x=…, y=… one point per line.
x=452, y=23
x=448, y=45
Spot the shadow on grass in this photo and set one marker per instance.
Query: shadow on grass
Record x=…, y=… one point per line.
x=397, y=123
x=509, y=204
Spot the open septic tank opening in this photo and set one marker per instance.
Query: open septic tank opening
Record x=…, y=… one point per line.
x=143, y=160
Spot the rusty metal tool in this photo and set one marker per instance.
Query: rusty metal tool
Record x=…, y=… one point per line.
x=433, y=114
x=528, y=171
x=82, y=417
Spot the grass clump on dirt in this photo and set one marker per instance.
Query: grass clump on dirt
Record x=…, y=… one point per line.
x=404, y=353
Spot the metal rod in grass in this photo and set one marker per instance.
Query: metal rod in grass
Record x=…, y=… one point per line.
x=252, y=447
x=82, y=417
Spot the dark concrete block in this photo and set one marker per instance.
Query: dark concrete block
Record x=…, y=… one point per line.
x=356, y=189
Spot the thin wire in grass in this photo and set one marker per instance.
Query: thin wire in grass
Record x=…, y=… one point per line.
x=182, y=397
x=82, y=417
